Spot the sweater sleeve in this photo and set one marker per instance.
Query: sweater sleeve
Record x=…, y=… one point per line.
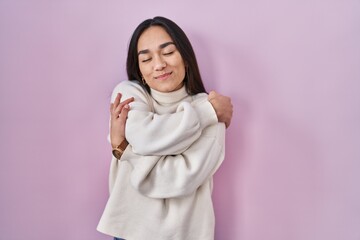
x=153, y=134
x=179, y=175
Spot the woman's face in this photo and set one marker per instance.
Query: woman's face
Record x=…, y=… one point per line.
x=160, y=63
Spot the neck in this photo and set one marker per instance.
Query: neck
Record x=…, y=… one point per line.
x=169, y=97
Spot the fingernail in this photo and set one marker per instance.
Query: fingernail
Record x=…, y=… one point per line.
x=126, y=106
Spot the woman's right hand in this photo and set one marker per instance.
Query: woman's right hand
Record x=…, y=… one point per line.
x=118, y=114
x=222, y=106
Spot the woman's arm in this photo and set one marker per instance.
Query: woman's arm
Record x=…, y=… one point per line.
x=178, y=175
x=153, y=134
x=222, y=106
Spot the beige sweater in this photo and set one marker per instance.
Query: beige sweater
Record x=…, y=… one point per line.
x=161, y=188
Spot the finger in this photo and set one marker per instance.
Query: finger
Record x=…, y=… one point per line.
x=113, y=114
x=129, y=100
x=116, y=112
x=111, y=107
x=124, y=113
x=212, y=95
x=122, y=104
x=117, y=100
x=228, y=124
x=112, y=111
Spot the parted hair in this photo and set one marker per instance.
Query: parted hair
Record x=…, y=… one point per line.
x=192, y=80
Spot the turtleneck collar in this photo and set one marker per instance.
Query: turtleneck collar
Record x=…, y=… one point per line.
x=169, y=97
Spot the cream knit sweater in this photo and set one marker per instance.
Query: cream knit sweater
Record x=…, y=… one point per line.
x=161, y=188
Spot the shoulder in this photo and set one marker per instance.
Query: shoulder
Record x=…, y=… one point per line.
x=128, y=89
x=128, y=85
x=200, y=97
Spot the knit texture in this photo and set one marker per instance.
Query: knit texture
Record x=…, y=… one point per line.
x=161, y=187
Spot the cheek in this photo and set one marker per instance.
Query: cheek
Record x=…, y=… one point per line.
x=144, y=70
x=178, y=62
x=181, y=68
x=181, y=65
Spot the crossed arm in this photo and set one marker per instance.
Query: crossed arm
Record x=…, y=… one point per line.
x=179, y=167
x=119, y=111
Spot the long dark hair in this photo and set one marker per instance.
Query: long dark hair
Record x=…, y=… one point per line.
x=192, y=80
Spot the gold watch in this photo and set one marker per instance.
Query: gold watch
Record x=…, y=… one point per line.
x=119, y=150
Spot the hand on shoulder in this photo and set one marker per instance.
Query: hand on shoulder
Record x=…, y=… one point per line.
x=118, y=114
x=222, y=106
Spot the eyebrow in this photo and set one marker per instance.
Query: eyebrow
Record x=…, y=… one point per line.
x=161, y=46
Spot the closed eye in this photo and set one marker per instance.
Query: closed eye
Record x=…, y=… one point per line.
x=169, y=53
x=146, y=60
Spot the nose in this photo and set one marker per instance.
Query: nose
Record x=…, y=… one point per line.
x=160, y=64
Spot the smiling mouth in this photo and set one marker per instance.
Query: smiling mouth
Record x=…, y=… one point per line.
x=163, y=76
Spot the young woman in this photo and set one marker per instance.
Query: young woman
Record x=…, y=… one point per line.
x=161, y=187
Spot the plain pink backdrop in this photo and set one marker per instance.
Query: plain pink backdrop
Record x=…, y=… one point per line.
x=292, y=69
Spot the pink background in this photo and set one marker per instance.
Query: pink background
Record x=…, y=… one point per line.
x=292, y=69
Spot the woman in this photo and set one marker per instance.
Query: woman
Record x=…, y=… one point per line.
x=161, y=188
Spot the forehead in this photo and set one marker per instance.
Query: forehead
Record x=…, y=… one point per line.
x=152, y=38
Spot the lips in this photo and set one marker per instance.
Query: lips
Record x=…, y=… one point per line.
x=163, y=76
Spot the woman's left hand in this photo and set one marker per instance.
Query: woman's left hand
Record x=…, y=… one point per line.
x=222, y=106
x=118, y=114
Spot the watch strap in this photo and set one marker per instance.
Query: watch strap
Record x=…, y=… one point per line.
x=119, y=150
